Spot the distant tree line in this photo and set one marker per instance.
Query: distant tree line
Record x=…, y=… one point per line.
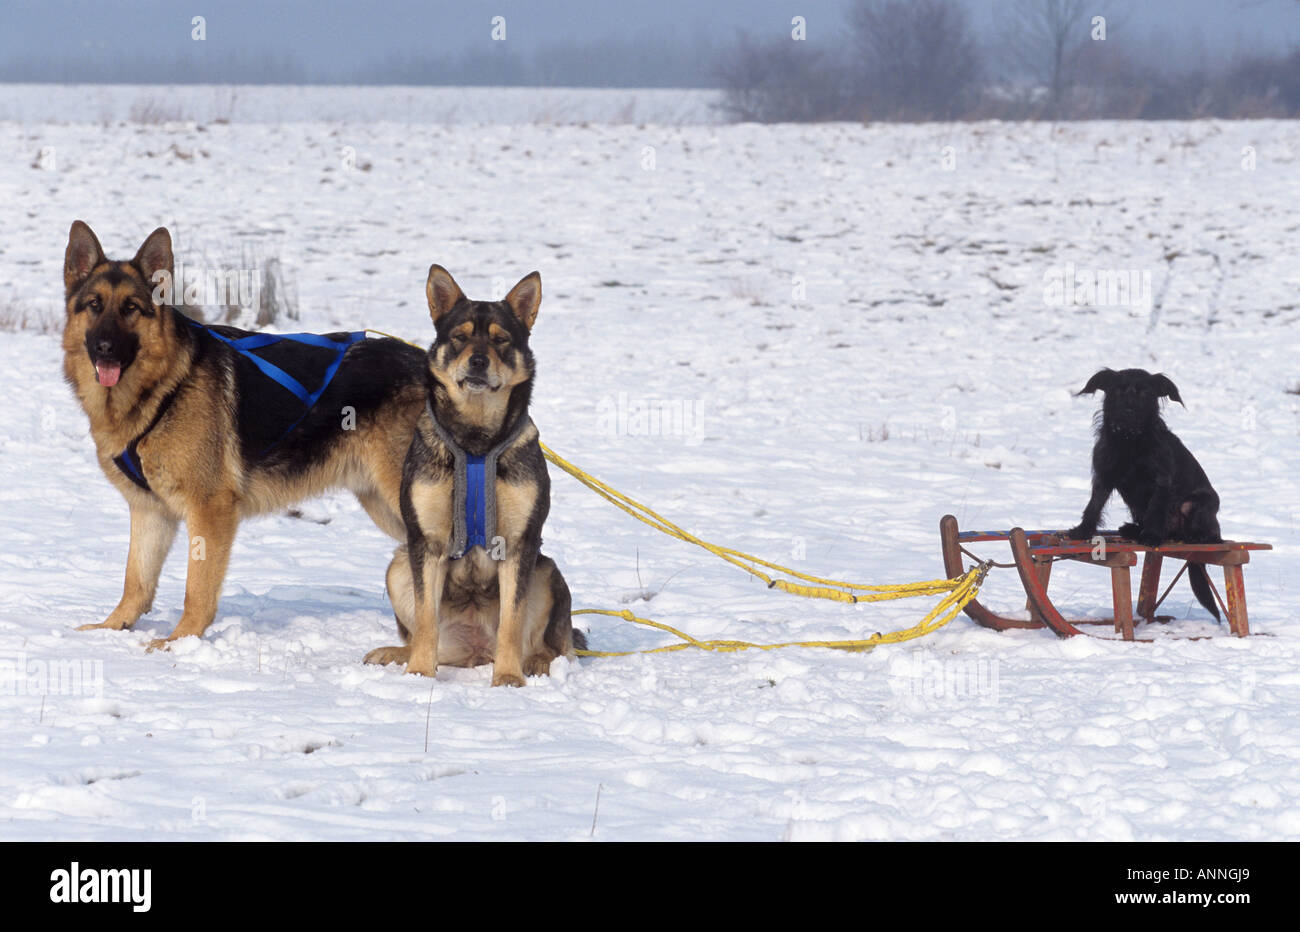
x=913, y=60
x=646, y=62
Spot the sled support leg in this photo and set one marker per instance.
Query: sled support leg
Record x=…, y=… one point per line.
x=1235, y=584
x=1121, y=593
x=1044, y=571
x=1149, y=590
x=1030, y=579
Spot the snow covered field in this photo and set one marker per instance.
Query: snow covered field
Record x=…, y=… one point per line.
x=849, y=330
x=207, y=103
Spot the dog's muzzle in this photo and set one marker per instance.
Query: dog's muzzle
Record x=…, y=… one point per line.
x=477, y=377
x=110, y=354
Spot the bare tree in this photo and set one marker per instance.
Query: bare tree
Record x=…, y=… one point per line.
x=1050, y=36
x=1262, y=86
x=914, y=59
x=780, y=81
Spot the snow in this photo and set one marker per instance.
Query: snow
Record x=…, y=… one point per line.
x=206, y=103
x=854, y=341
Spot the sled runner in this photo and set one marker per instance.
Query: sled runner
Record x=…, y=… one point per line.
x=1034, y=552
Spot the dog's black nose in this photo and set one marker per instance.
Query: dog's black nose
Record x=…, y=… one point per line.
x=478, y=361
x=103, y=346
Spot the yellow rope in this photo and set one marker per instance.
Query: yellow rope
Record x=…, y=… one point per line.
x=827, y=589
x=959, y=591
x=392, y=337
x=966, y=588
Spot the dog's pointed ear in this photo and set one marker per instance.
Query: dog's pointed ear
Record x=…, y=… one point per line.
x=82, y=255
x=1101, y=382
x=442, y=291
x=155, y=254
x=526, y=297
x=1164, y=387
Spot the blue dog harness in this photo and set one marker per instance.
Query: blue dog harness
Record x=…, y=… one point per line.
x=128, y=461
x=475, y=502
x=474, y=496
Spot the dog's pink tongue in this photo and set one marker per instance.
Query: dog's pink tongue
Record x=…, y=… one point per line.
x=108, y=372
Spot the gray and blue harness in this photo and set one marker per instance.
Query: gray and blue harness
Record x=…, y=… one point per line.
x=474, y=495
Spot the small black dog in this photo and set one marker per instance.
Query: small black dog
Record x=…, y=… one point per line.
x=1166, y=490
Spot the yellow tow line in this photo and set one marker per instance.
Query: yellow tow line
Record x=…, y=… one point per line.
x=958, y=591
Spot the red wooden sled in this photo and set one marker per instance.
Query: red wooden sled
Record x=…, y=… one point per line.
x=1035, y=552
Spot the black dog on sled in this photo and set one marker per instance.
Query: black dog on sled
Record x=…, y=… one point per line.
x=1166, y=490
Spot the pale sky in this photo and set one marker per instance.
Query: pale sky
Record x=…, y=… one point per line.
x=644, y=41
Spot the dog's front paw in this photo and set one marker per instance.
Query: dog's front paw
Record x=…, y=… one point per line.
x=1150, y=539
x=422, y=669
x=537, y=666
x=382, y=656
x=119, y=619
x=109, y=625
x=1080, y=532
x=1130, y=531
x=507, y=679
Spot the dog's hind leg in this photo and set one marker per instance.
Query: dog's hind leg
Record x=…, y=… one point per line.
x=1199, y=517
x=548, y=631
x=1155, y=522
x=401, y=592
x=401, y=587
x=386, y=518
x=152, y=533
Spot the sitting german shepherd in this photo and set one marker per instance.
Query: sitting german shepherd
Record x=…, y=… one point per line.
x=212, y=425
x=475, y=493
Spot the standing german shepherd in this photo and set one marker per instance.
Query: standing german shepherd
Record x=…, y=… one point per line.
x=481, y=589
x=189, y=426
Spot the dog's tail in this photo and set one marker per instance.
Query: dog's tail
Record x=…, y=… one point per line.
x=1200, y=581
x=579, y=640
